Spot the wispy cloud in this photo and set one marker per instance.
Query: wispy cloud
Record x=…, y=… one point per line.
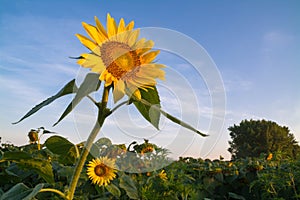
x=274, y=41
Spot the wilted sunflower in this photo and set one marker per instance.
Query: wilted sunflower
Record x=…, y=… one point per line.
x=121, y=59
x=101, y=170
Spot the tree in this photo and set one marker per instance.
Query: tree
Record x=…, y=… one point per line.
x=252, y=137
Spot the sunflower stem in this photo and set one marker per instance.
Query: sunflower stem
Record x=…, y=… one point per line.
x=54, y=191
x=119, y=105
x=102, y=114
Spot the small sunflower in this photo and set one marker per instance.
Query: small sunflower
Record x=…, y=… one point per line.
x=147, y=149
x=269, y=157
x=33, y=136
x=121, y=59
x=162, y=175
x=101, y=170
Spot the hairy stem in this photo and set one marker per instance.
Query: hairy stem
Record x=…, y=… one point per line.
x=85, y=152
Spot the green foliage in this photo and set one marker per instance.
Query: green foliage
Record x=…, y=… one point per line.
x=148, y=109
x=69, y=88
x=128, y=185
x=150, y=114
x=21, y=191
x=90, y=84
x=251, y=138
x=185, y=178
x=41, y=166
x=67, y=151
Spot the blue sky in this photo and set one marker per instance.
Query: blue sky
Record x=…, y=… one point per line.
x=255, y=46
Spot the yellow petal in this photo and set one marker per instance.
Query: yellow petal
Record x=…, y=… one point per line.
x=133, y=37
x=92, y=31
x=142, y=46
x=119, y=90
x=149, y=57
x=130, y=26
x=100, y=27
x=121, y=27
x=86, y=42
x=153, y=71
x=107, y=77
x=137, y=94
x=144, y=81
x=111, y=26
x=92, y=61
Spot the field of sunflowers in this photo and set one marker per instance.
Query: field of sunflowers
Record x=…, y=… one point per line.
x=117, y=171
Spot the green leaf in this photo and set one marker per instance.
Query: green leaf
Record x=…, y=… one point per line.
x=128, y=185
x=103, y=142
x=15, y=155
x=114, y=190
x=25, y=160
x=150, y=114
x=235, y=196
x=21, y=191
x=64, y=148
x=41, y=167
x=90, y=84
x=170, y=117
x=69, y=88
x=182, y=123
x=34, y=192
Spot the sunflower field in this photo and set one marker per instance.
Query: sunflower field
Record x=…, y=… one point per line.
x=123, y=65
x=31, y=172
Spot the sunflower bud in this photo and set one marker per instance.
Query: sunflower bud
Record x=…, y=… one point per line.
x=33, y=136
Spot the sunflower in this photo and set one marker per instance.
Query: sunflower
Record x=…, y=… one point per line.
x=269, y=157
x=101, y=170
x=147, y=149
x=121, y=59
x=162, y=175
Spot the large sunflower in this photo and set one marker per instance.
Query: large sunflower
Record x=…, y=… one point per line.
x=121, y=59
x=101, y=170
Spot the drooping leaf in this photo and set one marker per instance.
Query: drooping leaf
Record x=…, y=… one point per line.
x=26, y=161
x=235, y=196
x=69, y=88
x=114, y=190
x=128, y=185
x=21, y=191
x=34, y=192
x=90, y=84
x=181, y=123
x=15, y=155
x=41, y=167
x=150, y=114
x=64, y=148
x=170, y=117
x=103, y=141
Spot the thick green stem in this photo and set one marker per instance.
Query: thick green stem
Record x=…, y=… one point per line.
x=85, y=152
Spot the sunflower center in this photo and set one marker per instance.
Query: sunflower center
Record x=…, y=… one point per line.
x=100, y=170
x=119, y=58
